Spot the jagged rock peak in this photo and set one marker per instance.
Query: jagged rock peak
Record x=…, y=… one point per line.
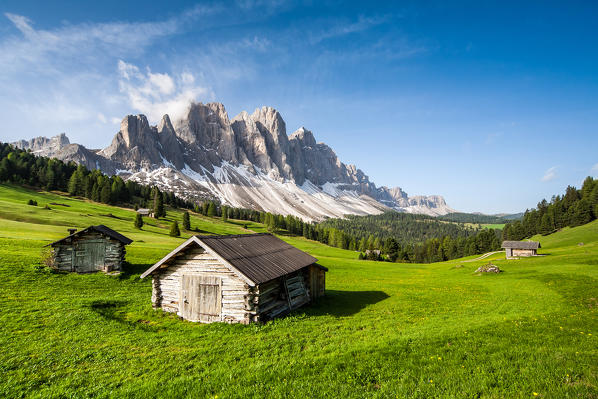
x=242, y=162
x=133, y=128
x=304, y=136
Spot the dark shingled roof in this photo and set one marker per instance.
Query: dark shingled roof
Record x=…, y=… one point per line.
x=521, y=244
x=257, y=257
x=101, y=229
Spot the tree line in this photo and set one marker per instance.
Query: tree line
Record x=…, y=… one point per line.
x=574, y=208
x=398, y=237
x=462, y=217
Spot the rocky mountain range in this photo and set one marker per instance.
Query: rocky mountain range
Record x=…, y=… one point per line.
x=248, y=162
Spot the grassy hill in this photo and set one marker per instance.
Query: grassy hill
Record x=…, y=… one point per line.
x=383, y=329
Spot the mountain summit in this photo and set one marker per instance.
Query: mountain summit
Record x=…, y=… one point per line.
x=247, y=162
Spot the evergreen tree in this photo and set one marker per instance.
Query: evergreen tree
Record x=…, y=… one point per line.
x=224, y=213
x=74, y=184
x=159, y=210
x=138, y=221
x=186, y=221
x=174, y=229
x=211, y=211
x=105, y=193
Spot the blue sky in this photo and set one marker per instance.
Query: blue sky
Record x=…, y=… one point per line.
x=492, y=105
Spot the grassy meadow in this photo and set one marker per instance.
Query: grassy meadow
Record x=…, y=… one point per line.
x=383, y=330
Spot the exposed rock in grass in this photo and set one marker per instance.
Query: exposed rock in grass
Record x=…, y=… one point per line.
x=488, y=268
x=458, y=266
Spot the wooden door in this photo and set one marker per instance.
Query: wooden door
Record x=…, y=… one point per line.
x=88, y=256
x=201, y=298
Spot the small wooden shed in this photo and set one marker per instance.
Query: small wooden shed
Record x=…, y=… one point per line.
x=89, y=250
x=237, y=279
x=515, y=249
x=145, y=212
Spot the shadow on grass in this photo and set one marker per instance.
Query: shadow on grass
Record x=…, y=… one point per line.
x=113, y=310
x=133, y=269
x=344, y=303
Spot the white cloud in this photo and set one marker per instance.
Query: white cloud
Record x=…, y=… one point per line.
x=156, y=94
x=162, y=82
x=187, y=78
x=115, y=121
x=102, y=117
x=550, y=174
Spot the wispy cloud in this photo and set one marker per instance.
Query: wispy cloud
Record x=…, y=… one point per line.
x=550, y=174
x=594, y=169
x=342, y=28
x=47, y=51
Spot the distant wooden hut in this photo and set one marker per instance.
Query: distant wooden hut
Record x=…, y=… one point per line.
x=237, y=279
x=96, y=248
x=515, y=249
x=145, y=212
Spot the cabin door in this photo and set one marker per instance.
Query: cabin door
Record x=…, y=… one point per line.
x=89, y=256
x=201, y=298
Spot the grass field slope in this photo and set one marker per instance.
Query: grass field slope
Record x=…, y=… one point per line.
x=383, y=329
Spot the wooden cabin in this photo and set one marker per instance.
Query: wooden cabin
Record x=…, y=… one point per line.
x=96, y=248
x=145, y=212
x=236, y=279
x=515, y=249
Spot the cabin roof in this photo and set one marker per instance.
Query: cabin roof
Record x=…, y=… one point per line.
x=521, y=244
x=257, y=258
x=101, y=229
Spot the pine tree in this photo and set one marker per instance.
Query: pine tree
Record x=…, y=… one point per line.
x=174, y=229
x=158, y=205
x=105, y=193
x=224, y=213
x=138, y=221
x=186, y=221
x=74, y=186
x=211, y=209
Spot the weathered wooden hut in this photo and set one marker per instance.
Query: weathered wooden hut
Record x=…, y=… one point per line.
x=237, y=279
x=92, y=249
x=145, y=212
x=516, y=249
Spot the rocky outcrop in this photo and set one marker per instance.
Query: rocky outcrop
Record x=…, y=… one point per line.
x=44, y=146
x=248, y=161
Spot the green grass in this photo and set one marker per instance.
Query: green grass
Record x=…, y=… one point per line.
x=383, y=330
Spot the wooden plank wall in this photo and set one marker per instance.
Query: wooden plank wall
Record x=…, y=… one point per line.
x=240, y=302
x=113, y=258
x=236, y=306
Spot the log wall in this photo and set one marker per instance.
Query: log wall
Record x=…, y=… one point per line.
x=524, y=252
x=65, y=252
x=240, y=303
x=236, y=301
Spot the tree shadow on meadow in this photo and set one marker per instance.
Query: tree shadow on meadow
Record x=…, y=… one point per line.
x=133, y=269
x=113, y=310
x=344, y=303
